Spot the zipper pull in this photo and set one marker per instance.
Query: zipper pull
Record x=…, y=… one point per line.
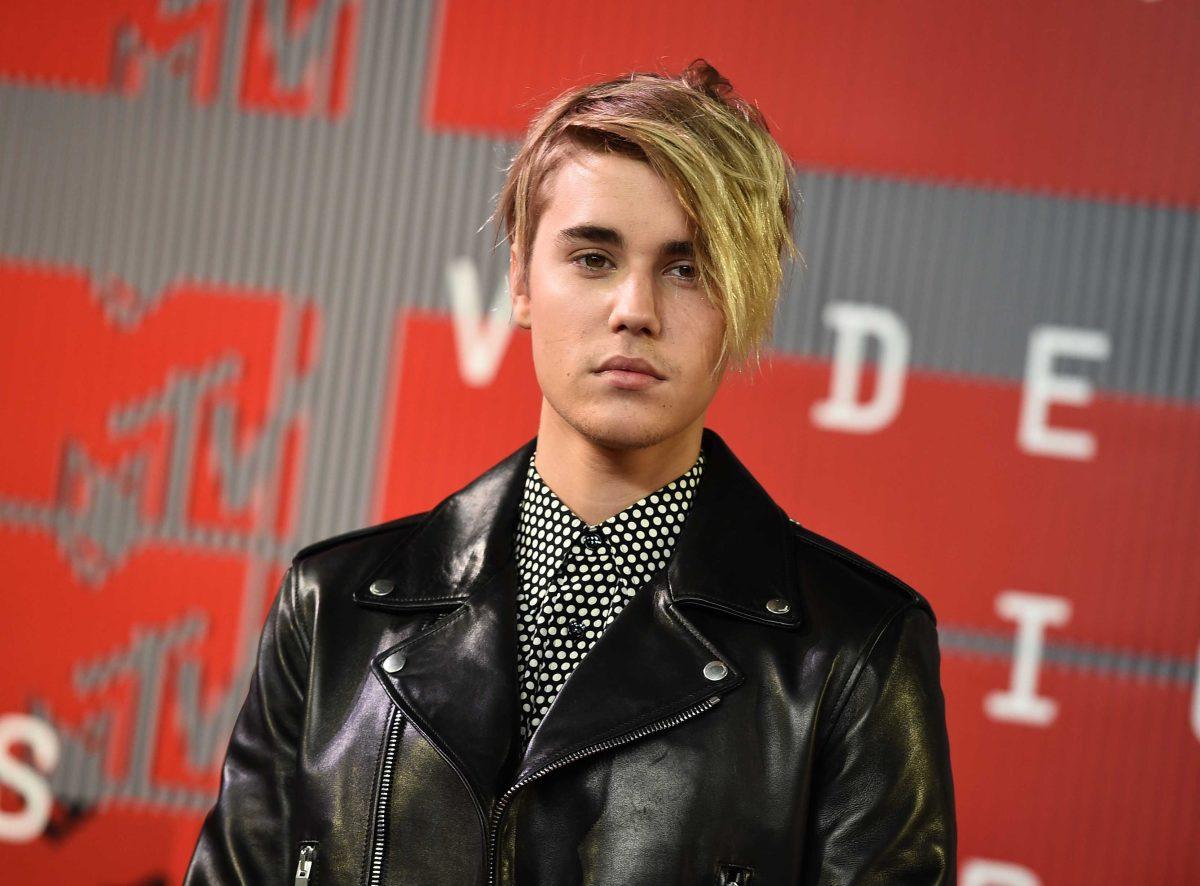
x=735, y=875
x=308, y=852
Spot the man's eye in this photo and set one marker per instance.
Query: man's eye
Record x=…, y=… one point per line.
x=689, y=271
x=592, y=261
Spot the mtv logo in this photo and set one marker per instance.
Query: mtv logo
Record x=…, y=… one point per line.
x=175, y=425
x=294, y=57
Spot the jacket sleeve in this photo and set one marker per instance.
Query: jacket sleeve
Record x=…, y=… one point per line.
x=246, y=836
x=883, y=803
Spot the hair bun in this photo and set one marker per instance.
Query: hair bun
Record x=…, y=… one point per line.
x=701, y=76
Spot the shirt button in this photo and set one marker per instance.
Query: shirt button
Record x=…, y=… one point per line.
x=575, y=628
x=592, y=540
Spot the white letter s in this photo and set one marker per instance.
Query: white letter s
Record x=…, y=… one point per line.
x=29, y=822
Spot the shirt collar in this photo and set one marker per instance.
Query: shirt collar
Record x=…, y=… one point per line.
x=633, y=538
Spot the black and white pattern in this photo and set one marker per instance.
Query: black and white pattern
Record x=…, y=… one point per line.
x=575, y=578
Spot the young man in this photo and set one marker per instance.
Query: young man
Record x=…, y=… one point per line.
x=611, y=658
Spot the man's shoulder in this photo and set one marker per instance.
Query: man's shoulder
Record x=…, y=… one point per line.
x=837, y=576
x=422, y=545
x=383, y=535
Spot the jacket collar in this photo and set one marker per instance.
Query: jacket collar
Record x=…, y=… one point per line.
x=732, y=553
x=458, y=682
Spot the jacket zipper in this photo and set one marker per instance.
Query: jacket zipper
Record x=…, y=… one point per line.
x=658, y=726
x=308, y=852
x=382, y=795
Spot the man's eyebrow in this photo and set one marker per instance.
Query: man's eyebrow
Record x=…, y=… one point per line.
x=590, y=233
x=679, y=249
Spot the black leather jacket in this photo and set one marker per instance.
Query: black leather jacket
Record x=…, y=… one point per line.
x=378, y=743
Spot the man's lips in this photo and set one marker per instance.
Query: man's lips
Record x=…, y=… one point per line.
x=630, y=364
x=629, y=373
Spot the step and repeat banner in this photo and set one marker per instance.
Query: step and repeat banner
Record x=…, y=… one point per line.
x=247, y=304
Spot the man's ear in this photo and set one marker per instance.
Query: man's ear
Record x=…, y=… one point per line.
x=518, y=289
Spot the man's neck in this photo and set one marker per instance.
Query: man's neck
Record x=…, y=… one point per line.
x=597, y=481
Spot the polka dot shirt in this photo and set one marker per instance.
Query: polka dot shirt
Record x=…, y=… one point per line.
x=575, y=578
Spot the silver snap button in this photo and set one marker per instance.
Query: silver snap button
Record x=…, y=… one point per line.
x=382, y=587
x=394, y=662
x=715, y=670
x=778, y=605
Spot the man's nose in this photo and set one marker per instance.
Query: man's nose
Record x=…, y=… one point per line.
x=635, y=307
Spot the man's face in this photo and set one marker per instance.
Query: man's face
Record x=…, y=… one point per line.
x=612, y=275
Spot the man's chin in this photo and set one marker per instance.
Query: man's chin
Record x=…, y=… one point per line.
x=626, y=429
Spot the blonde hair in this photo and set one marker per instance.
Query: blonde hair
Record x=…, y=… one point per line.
x=715, y=151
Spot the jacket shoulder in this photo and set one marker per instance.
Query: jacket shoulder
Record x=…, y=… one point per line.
x=386, y=533
x=876, y=576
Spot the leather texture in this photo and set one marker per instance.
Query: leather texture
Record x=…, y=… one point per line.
x=820, y=756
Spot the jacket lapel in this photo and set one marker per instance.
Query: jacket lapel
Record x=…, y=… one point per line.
x=458, y=681
x=646, y=667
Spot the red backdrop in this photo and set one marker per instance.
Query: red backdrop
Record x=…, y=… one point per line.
x=170, y=443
